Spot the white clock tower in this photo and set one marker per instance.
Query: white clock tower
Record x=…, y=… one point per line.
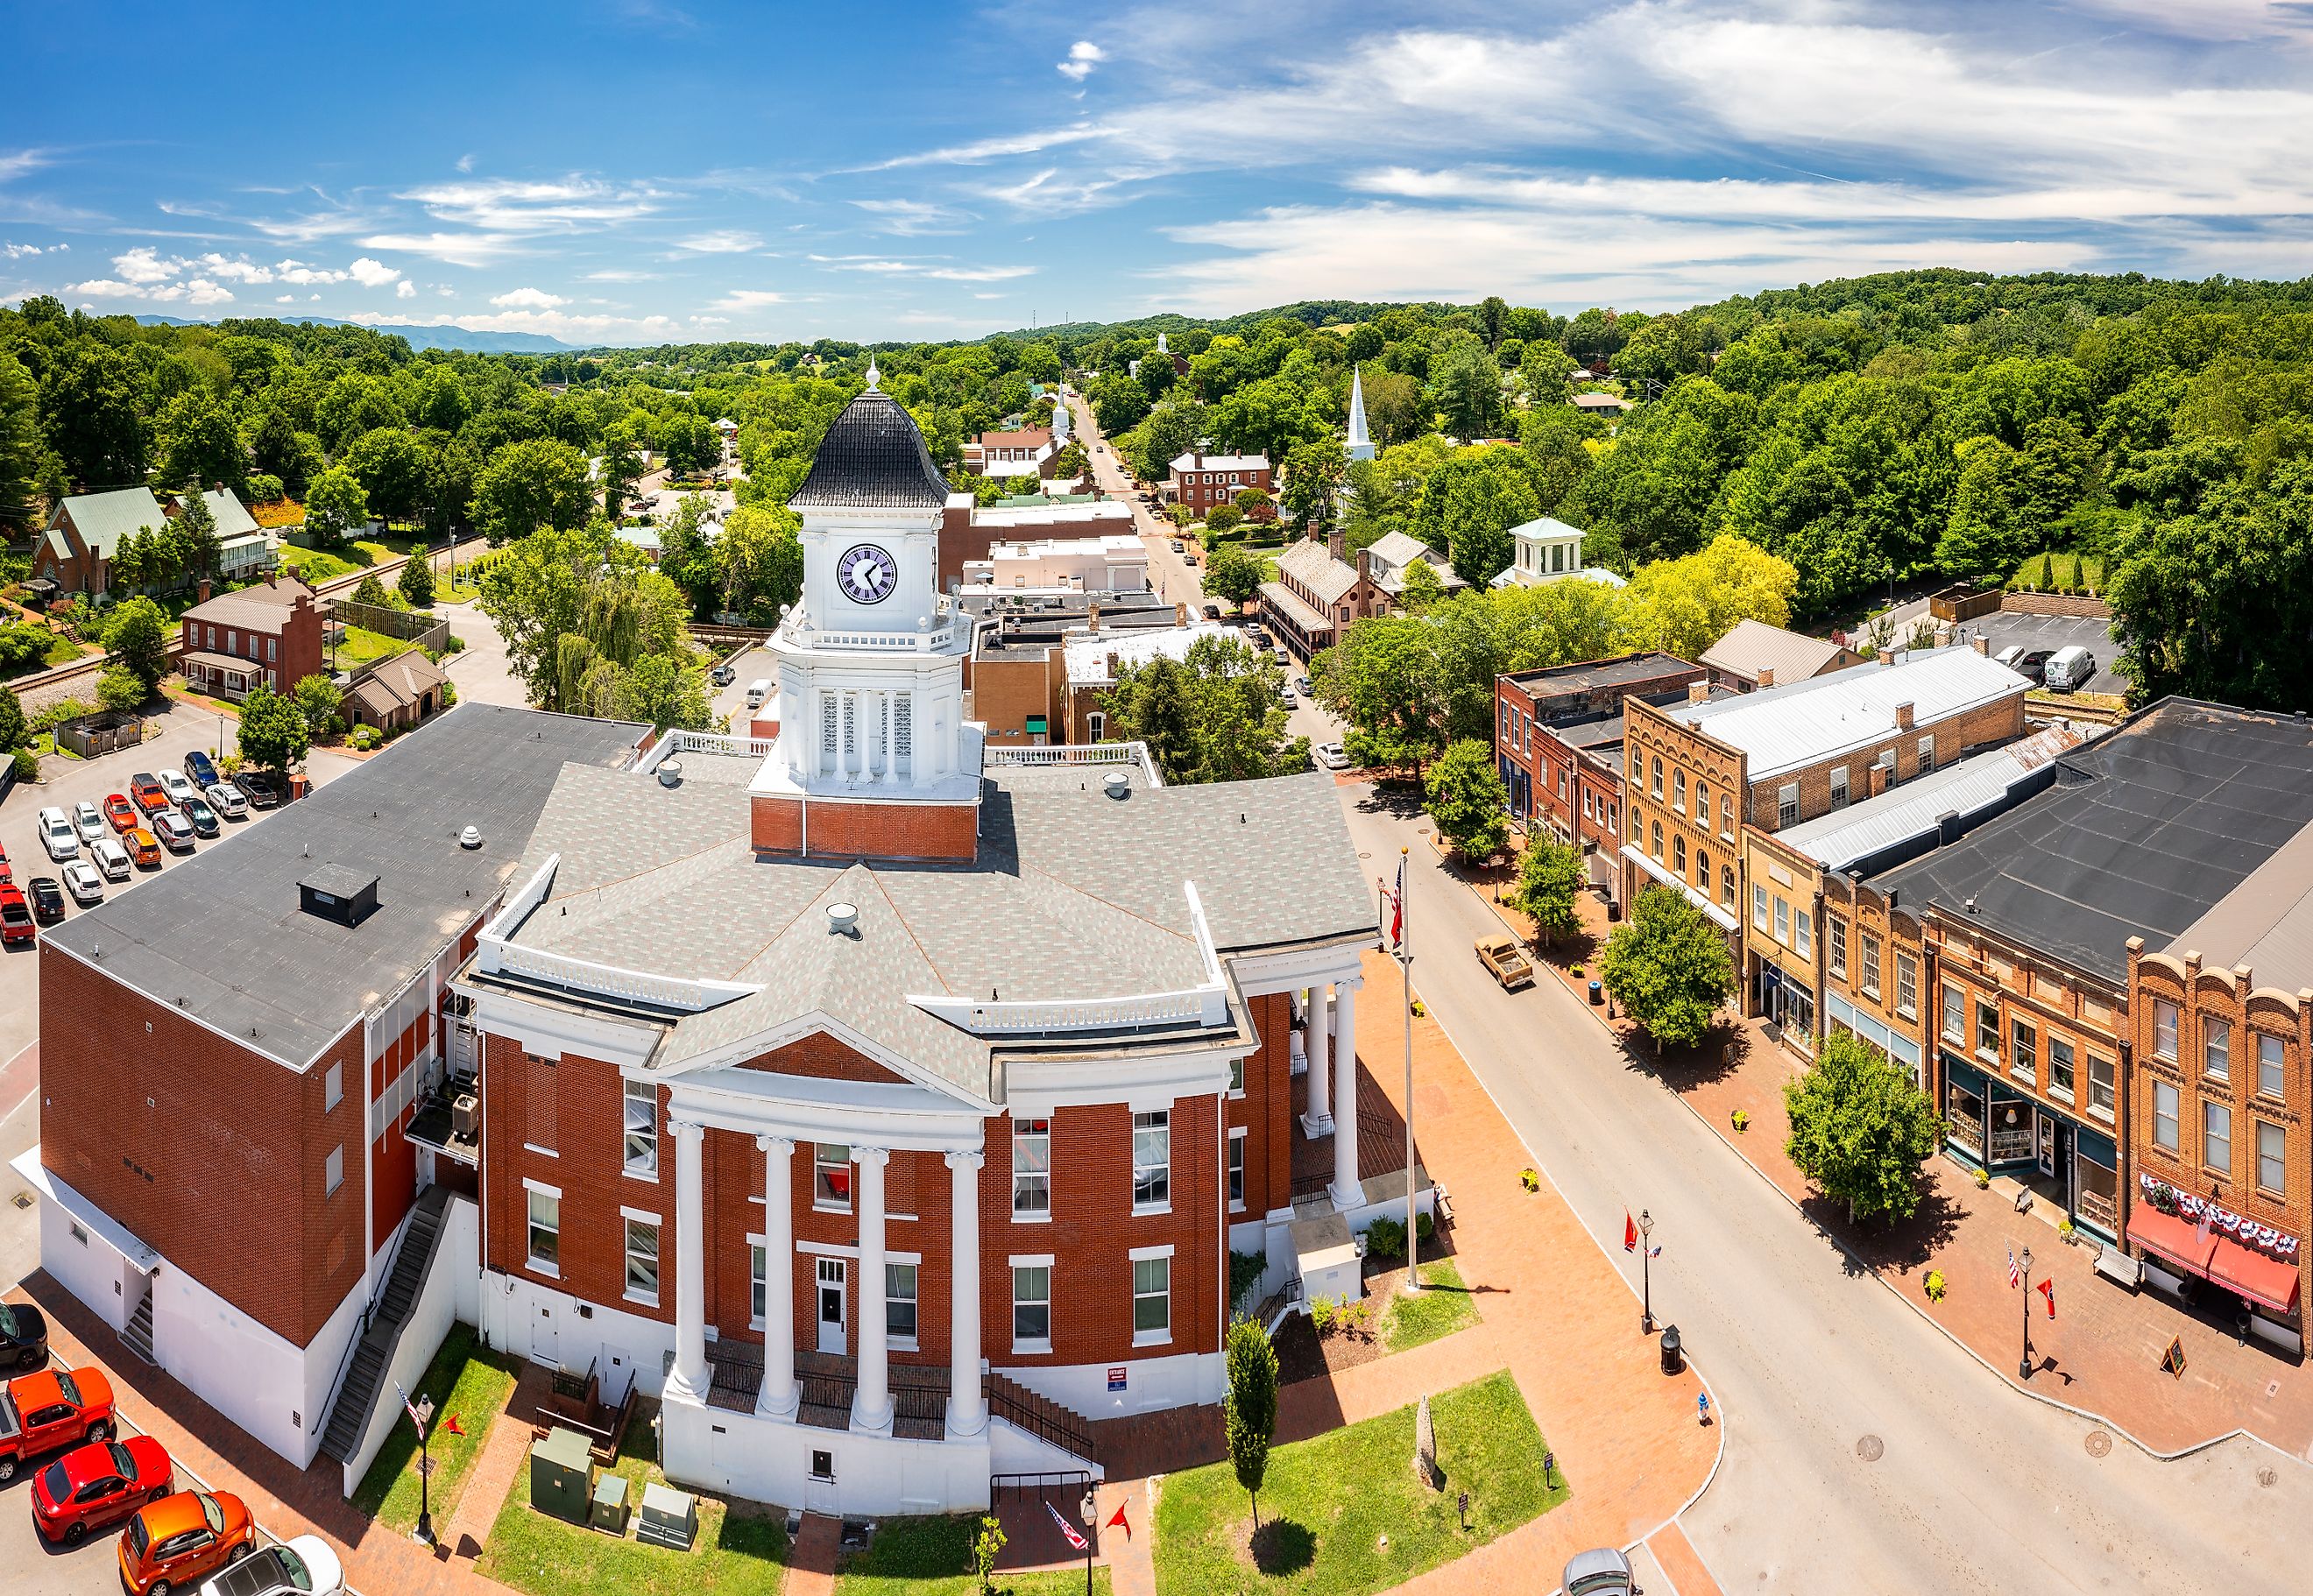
x=871, y=660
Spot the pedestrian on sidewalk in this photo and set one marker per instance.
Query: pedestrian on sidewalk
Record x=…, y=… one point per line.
x=1702, y=1407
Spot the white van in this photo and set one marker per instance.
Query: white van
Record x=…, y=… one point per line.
x=2068, y=668
x=758, y=690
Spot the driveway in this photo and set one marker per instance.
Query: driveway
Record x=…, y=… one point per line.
x=2003, y=627
x=182, y=728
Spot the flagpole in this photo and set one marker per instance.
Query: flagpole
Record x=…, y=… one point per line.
x=1405, y=970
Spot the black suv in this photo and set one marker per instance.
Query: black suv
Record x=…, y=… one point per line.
x=24, y=1336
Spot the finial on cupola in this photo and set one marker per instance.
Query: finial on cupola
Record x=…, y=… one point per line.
x=874, y=376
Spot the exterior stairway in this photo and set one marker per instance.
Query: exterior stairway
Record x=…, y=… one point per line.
x=137, y=1335
x=1042, y=1417
x=358, y=1393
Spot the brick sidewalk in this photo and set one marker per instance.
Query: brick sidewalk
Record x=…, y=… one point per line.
x=496, y=1469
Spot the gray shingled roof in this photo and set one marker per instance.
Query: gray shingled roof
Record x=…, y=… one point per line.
x=222, y=932
x=873, y=458
x=1311, y=564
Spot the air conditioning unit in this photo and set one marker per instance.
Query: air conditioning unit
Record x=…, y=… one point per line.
x=466, y=1115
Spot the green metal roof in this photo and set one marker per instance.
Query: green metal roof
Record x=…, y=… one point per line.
x=103, y=519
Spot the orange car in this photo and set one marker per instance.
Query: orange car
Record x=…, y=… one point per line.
x=173, y=1543
x=143, y=846
x=120, y=813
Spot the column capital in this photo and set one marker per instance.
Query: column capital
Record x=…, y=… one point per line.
x=1354, y=983
x=966, y=1158
x=875, y=1155
x=782, y=1145
x=686, y=1129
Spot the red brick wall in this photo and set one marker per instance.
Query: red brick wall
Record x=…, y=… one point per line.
x=867, y=831
x=1266, y=1108
x=207, y=1150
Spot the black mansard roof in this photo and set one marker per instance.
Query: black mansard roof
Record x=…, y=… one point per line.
x=873, y=458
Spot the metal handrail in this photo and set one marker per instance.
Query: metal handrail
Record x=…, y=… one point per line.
x=1067, y=1437
x=1033, y=1485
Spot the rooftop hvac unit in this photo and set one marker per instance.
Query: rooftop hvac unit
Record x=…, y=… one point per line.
x=466, y=1115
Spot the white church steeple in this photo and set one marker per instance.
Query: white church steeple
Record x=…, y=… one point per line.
x=1361, y=445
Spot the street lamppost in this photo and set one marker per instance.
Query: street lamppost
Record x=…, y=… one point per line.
x=424, y=1416
x=1089, y=1511
x=2023, y=1369
x=1646, y=1273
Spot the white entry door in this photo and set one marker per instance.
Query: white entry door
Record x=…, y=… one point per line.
x=2047, y=1144
x=834, y=1316
x=545, y=1338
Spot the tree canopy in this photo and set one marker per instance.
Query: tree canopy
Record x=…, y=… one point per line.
x=1669, y=966
x=1860, y=1130
x=1213, y=715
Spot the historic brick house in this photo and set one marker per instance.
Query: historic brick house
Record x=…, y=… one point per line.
x=1318, y=594
x=887, y=1106
x=268, y=634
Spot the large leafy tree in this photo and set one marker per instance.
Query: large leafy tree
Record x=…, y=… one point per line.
x=23, y=463
x=534, y=593
x=1464, y=797
x=1234, y=574
x=391, y=465
x=274, y=731
x=1312, y=480
x=1211, y=716
x=1469, y=504
x=531, y=485
x=759, y=563
x=1550, y=886
x=1655, y=490
x=1860, y=1130
x=1668, y=967
x=335, y=505
x=1466, y=387
x=137, y=635
x=1683, y=606
x=200, y=443
x=95, y=417
x=196, y=530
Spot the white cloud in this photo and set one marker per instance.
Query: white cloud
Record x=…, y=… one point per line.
x=614, y=275
x=912, y=216
x=515, y=206
x=749, y=299
x=1083, y=56
x=728, y=241
x=141, y=265
x=200, y=290
x=100, y=288
x=304, y=276
x=373, y=274
x=284, y=298
x=527, y=299
x=405, y=289
x=237, y=269
x=18, y=251
x=990, y=149
x=454, y=249
x=464, y=163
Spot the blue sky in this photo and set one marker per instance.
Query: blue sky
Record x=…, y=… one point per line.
x=632, y=172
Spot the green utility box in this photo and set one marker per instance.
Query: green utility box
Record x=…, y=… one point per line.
x=669, y=1517
x=610, y=1503
x=562, y=1476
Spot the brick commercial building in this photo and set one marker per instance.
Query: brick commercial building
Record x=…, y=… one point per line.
x=1699, y=772
x=970, y=531
x=1318, y=594
x=266, y=634
x=1205, y=482
x=887, y=1107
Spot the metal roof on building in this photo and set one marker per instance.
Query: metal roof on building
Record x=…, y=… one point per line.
x=1966, y=788
x=1088, y=653
x=873, y=458
x=2146, y=830
x=1751, y=645
x=1791, y=725
x=103, y=519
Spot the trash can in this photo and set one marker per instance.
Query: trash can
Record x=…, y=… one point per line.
x=1672, y=1359
x=1597, y=993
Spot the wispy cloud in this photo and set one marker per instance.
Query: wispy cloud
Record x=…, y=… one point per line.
x=980, y=150
x=750, y=298
x=1083, y=56
x=910, y=217
x=724, y=241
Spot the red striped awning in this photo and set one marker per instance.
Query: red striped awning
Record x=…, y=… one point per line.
x=2178, y=1240
x=2267, y=1281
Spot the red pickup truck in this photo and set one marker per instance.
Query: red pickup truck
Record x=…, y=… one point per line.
x=15, y=915
x=51, y=1410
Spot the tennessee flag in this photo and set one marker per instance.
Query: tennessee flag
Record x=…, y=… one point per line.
x=1629, y=1232
x=2048, y=1290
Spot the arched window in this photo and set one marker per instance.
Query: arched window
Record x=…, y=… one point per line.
x=1657, y=850
x=1678, y=854
x=1656, y=785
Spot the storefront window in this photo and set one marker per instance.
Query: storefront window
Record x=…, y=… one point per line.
x=2099, y=1188
x=1964, y=1118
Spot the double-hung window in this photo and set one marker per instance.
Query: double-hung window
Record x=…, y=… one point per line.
x=642, y=1258
x=899, y=1302
x=1679, y=853
x=642, y=1129
x=1152, y=1159
x=1654, y=787
x=1784, y=921
x=1955, y=1015
x=545, y=1228
x=2100, y=1086
x=1787, y=806
x=1031, y=1307
x=1839, y=786
x=830, y=1176
x=1837, y=929
x=2216, y=1138
x=1804, y=945
x=2025, y=1060
x=2059, y=1067
x=1678, y=791
x=1987, y=1030
x=1236, y=1139
x=2164, y=1115
x=1032, y=1168
x=1907, y=984
x=2217, y=1049
x=757, y=1260
x=2164, y=1029
x=1758, y=905
x=2269, y=1056
x=1152, y=1299
x=2272, y=1164
x=1867, y=952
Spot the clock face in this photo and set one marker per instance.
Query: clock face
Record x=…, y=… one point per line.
x=866, y=573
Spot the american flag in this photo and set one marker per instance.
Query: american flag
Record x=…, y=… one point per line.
x=2015, y=1274
x=1394, y=898
x=1068, y=1529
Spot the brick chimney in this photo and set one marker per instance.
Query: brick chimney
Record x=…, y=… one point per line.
x=1115, y=660
x=1094, y=616
x=1766, y=675
x=1983, y=644
x=1876, y=779
x=1903, y=717
x=1365, y=565
x=1337, y=541
x=1181, y=613
x=1697, y=691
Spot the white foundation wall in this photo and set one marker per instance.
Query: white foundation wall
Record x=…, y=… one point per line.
x=1011, y=1450
x=526, y=1319
x=770, y=1460
x=1149, y=1384
x=430, y=1317
x=277, y=1392
x=89, y=1267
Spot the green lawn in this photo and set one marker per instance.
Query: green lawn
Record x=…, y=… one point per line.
x=465, y=1378
x=319, y=564
x=1328, y=1501
x=925, y=1557
x=362, y=646
x=736, y=1555
x=1444, y=1307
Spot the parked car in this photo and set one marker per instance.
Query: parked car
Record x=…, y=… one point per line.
x=24, y=1336
x=227, y=801
x=15, y=915
x=1602, y=1573
x=87, y=887
x=51, y=1410
x=303, y=1564
x=57, y=835
x=202, y=769
x=174, y=833
x=112, y=861
x=722, y=676
x=148, y=793
x=199, y=816
x=94, y=1486
x=2031, y=663
x=180, y=1539
x=145, y=848
x=1331, y=756
x=1285, y=695
x=47, y=899
x=1302, y=682
x=2068, y=668
x=1506, y=961
x=175, y=784
x=1178, y=546
x=1212, y=612
x=259, y=788
x=1283, y=657
x=89, y=822
x=120, y=813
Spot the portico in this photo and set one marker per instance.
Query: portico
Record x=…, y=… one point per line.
x=1329, y=1028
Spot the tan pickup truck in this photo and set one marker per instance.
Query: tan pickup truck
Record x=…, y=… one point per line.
x=1507, y=960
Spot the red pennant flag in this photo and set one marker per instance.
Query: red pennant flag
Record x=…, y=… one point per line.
x=1117, y=1521
x=1629, y=1232
x=2048, y=1290
x=450, y=1425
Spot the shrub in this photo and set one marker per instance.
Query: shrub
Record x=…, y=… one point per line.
x=1741, y=1119
x=265, y=489
x=28, y=765
x=1224, y=517
x=1245, y=1269
x=1529, y=1180
x=1934, y=1286
x=1385, y=1238
x=1982, y=1179
x=119, y=689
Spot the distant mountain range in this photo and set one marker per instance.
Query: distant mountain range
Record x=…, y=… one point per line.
x=475, y=339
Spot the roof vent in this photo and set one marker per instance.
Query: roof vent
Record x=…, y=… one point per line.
x=670, y=773
x=1971, y=906
x=470, y=838
x=1118, y=785
x=843, y=919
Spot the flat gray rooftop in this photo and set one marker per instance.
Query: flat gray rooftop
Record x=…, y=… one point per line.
x=222, y=934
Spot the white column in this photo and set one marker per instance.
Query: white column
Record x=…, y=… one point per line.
x=689, y=1376
x=1346, y=1191
x=890, y=728
x=871, y=1404
x=967, y=1407
x=779, y=1394
x=1317, y=1113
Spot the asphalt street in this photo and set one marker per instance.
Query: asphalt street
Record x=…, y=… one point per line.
x=1970, y=1486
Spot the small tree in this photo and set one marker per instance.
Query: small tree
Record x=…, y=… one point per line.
x=1234, y=574
x=986, y=1546
x=370, y=591
x=12, y=720
x=138, y=633
x=1669, y=966
x=2047, y=573
x=1249, y=1411
x=417, y=583
x=319, y=701
x=119, y=689
x=1550, y=887
x=1860, y=1130
x=1467, y=801
x=196, y=530
x=273, y=732
x=1223, y=518
x=335, y=505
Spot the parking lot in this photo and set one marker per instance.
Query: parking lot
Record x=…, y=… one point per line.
x=2004, y=627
